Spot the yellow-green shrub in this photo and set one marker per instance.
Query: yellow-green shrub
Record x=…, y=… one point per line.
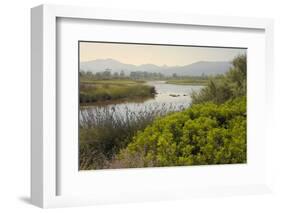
x=205, y=133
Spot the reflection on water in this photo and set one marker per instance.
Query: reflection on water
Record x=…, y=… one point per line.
x=170, y=97
x=177, y=95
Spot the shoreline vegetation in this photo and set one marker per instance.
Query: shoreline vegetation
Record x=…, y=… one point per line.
x=114, y=91
x=104, y=132
x=210, y=131
x=200, y=81
x=96, y=91
x=103, y=103
x=204, y=134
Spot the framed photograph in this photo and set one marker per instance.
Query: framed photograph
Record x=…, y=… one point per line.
x=129, y=106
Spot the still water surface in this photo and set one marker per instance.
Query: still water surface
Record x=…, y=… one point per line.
x=170, y=97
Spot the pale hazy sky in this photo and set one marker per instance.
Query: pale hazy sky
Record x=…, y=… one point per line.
x=155, y=54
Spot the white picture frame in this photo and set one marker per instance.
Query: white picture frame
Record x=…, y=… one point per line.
x=44, y=149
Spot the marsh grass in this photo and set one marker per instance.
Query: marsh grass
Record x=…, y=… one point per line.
x=100, y=91
x=104, y=131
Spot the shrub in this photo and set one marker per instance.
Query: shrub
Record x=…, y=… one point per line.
x=231, y=85
x=205, y=133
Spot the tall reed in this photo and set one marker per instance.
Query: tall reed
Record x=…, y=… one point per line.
x=104, y=131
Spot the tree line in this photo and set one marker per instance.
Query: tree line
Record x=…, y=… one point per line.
x=138, y=75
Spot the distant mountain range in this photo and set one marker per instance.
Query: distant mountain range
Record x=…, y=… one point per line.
x=195, y=69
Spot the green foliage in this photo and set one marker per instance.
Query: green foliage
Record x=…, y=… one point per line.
x=211, y=131
x=231, y=85
x=206, y=133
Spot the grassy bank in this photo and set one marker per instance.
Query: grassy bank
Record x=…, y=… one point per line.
x=198, y=82
x=109, y=90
